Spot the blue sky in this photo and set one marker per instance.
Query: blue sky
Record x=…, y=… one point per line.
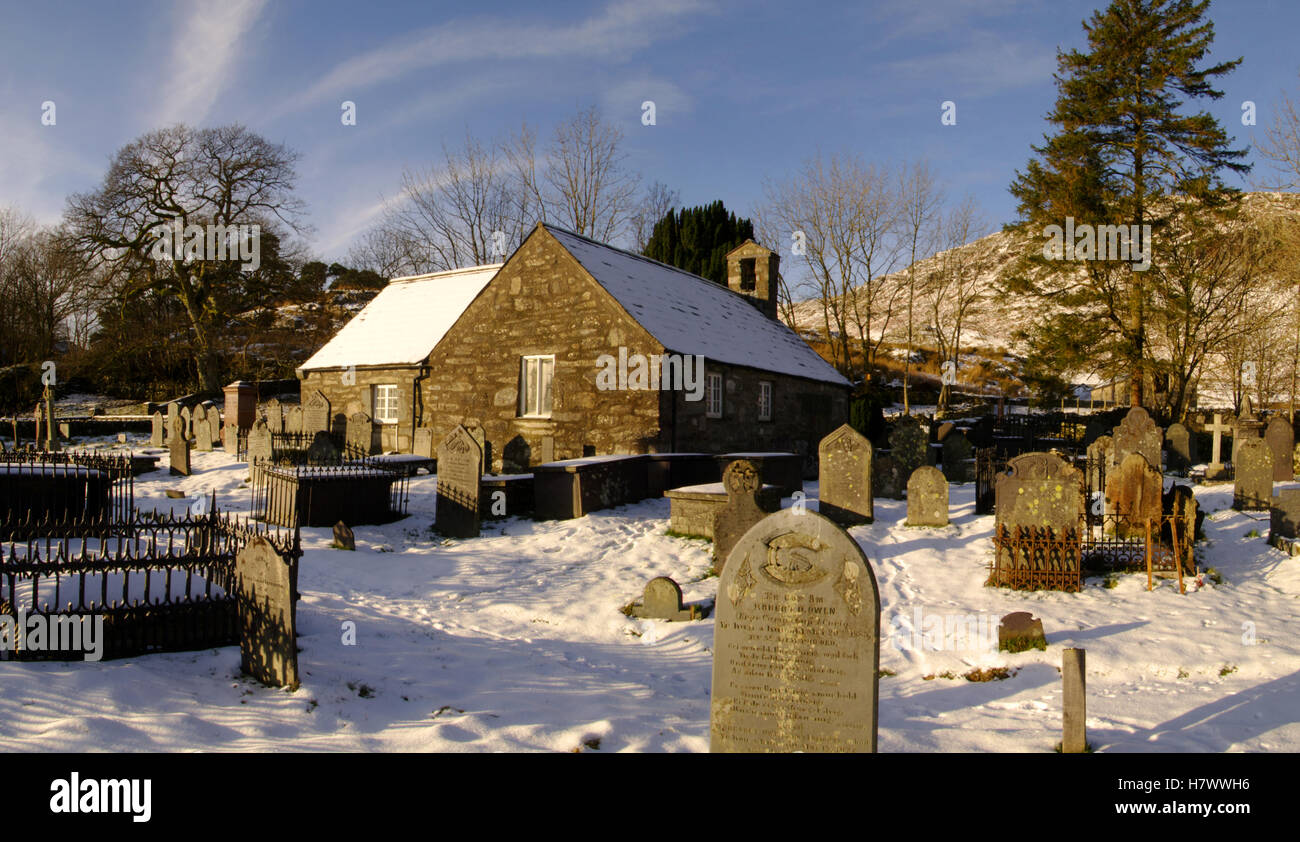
x=744, y=91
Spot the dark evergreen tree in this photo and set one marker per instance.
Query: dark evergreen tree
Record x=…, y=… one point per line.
x=1126, y=151
x=698, y=239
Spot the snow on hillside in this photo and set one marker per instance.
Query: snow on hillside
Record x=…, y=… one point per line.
x=514, y=642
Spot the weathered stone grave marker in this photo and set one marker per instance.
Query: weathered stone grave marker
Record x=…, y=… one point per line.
x=742, y=482
x=1252, y=488
x=422, y=444
x=156, y=429
x=844, y=477
x=909, y=445
x=316, y=413
x=1133, y=496
x=797, y=642
x=927, y=497
x=259, y=442
x=956, y=454
x=1281, y=440
x=662, y=600
x=460, y=461
x=179, y=456
x=1021, y=631
x=268, y=646
x=1137, y=433
x=344, y=537
x=1180, y=448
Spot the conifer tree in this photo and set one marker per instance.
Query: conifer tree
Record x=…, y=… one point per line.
x=698, y=239
x=1128, y=149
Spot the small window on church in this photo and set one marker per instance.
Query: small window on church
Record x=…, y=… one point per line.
x=386, y=404
x=713, y=396
x=535, y=376
x=764, y=400
x=748, y=274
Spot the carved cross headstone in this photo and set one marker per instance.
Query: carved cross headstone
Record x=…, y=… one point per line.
x=460, y=462
x=1281, y=440
x=268, y=645
x=813, y=684
x=663, y=601
x=1253, y=484
x=1215, y=469
x=927, y=497
x=844, y=477
x=742, y=482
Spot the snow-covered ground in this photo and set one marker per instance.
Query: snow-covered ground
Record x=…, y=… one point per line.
x=515, y=642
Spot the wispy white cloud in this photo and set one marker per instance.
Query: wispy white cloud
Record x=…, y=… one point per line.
x=620, y=29
x=209, y=36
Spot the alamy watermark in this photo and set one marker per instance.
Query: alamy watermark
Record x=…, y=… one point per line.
x=1127, y=243
x=930, y=632
x=208, y=242
x=652, y=372
x=53, y=633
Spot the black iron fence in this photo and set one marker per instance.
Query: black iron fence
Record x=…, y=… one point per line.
x=322, y=495
x=148, y=584
x=65, y=485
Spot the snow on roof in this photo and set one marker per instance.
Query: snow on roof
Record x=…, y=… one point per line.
x=690, y=315
x=405, y=321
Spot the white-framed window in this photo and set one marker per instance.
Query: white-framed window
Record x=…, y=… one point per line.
x=535, y=376
x=713, y=396
x=387, y=404
x=764, y=400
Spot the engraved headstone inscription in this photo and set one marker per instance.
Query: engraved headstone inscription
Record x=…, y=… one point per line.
x=460, y=461
x=797, y=642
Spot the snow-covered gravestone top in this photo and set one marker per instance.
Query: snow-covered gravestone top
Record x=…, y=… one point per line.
x=459, y=461
x=797, y=641
x=844, y=477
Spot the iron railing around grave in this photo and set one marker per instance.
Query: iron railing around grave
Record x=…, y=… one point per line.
x=156, y=583
x=90, y=487
x=322, y=495
x=1036, y=557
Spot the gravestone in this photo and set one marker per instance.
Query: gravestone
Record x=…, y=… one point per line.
x=1180, y=503
x=156, y=430
x=957, y=463
x=322, y=450
x=361, y=433
x=422, y=442
x=230, y=436
x=173, y=420
x=944, y=430
x=1137, y=433
x=844, y=477
x=293, y=420
x=1021, y=631
x=663, y=601
x=1179, y=440
x=1216, y=470
x=1133, y=495
x=1099, y=461
x=797, y=641
x=887, y=477
x=316, y=413
x=742, y=482
x=259, y=442
x=1284, y=521
x=187, y=423
x=274, y=416
x=264, y=586
x=460, y=462
x=909, y=445
x=1247, y=426
x=927, y=497
x=179, y=457
x=1039, y=489
x=203, y=435
x=1252, y=488
x=1281, y=440
x=344, y=537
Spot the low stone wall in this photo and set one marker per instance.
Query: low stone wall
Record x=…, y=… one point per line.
x=575, y=487
x=693, y=508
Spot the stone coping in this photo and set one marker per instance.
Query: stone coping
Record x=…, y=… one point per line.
x=708, y=490
x=572, y=465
